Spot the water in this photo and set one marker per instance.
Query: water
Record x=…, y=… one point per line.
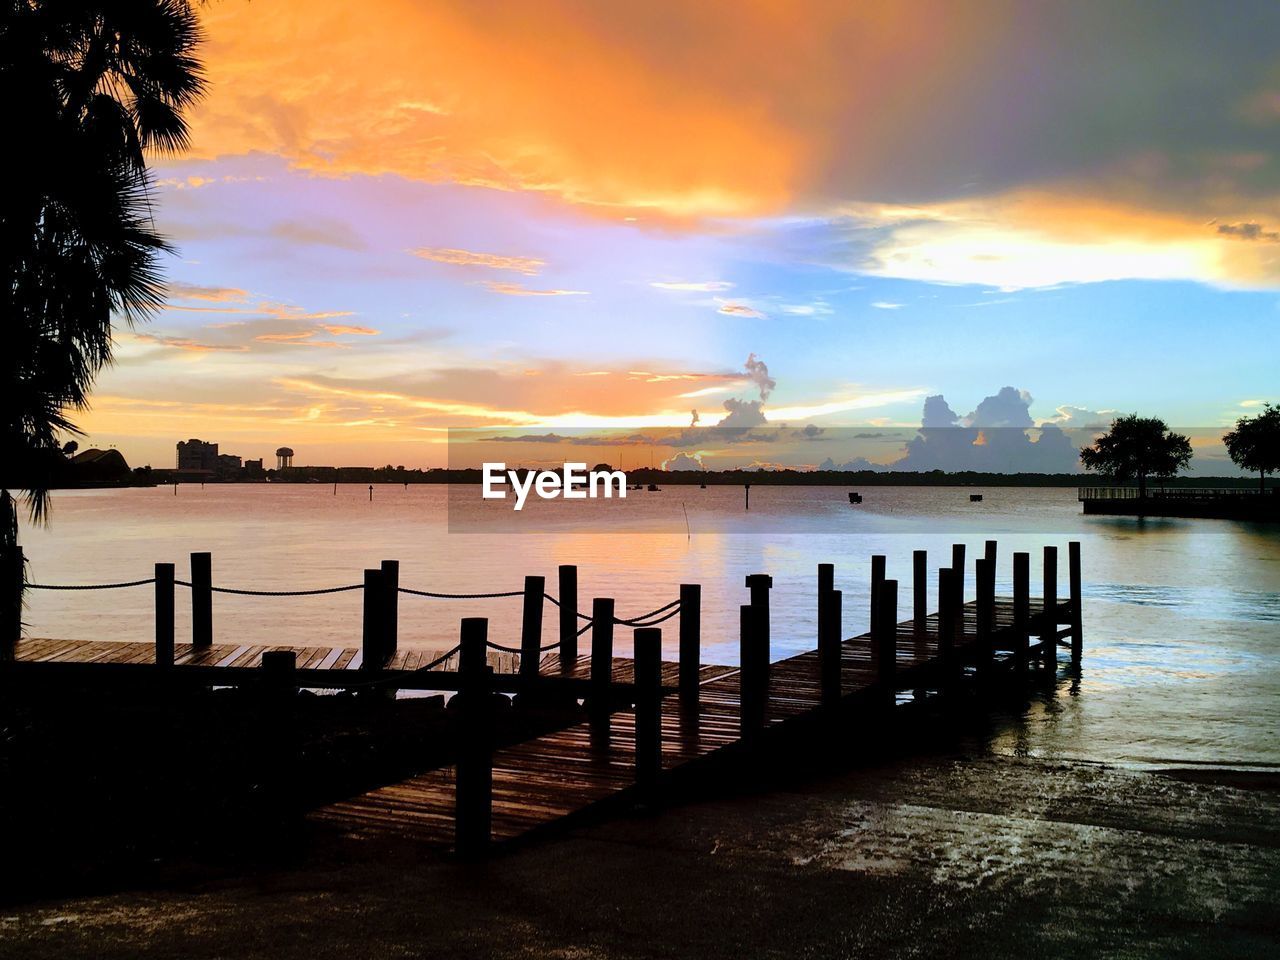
x=1182, y=617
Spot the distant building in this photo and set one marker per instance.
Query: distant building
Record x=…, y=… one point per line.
x=197, y=455
x=228, y=463
x=284, y=458
x=253, y=468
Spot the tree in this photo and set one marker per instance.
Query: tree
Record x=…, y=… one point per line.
x=91, y=88
x=1255, y=443
x=1136, y=448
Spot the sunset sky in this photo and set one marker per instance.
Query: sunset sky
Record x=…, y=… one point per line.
x=402, y=217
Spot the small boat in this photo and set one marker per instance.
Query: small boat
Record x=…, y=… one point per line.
x=975, y=498
x=654, y=486
x=855, y=497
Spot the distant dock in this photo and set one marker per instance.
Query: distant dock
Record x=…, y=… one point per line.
x=1214, y=503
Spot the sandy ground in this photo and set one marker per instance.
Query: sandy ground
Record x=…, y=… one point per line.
x=948, y=856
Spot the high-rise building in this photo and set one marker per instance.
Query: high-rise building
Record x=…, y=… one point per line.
x=197, y=455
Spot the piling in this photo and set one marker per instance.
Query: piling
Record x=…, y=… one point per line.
x=985, y=580
x=473, y=794
x=1049, y=615
x=568, y=579
x=535, y=589
x=280, y=676
x=648, y=714
x=390, y=607
x=885, y=638
x=11, y=572
x=1077, y=614
x=957, y=564
x=920, y=593
x=877, y=578
x=601, y=700
x=164, y=614
x=829, y=648
x=373, y=635
x=201, y=600
x=690, y=642
x=946, y=619
x=753, y=678
x=1021, y=609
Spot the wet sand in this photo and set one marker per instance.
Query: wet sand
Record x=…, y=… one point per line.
x=947, y=856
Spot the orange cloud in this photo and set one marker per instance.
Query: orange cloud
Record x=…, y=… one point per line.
x=518, y=290
x=529, y=266
x=338, y=329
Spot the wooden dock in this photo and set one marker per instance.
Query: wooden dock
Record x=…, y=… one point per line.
x=649, y=721
x=543, y=782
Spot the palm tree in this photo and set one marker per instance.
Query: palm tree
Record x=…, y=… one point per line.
x=93, y=88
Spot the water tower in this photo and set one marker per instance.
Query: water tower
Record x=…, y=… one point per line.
x=284, y=458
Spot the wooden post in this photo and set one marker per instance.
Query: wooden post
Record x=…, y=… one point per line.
x=690, y=641
x=531, y=626
x=391, y=607
x=568, y=617
x=946, y=618
x=648, y=695
x=957, y=564
x=826, y=580
x=1049, y=615
x=1021, y=609
x=373, y=635
x=1077, y=614
x=201, y=600
x=280, y=675
x=164, y=614
x=877, y=578
x=750, y=701
x=984, y=577
x=886, y=635
x=759, y=584
x=989, y=552
x=919, y=592
x=829, y=648
x=11, y=569
x=601, y=701
x=473, y=792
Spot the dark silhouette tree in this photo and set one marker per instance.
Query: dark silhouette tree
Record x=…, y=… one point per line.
x=1136, y=448
x=1255, y=443
x=90, y=89
x=69, y=448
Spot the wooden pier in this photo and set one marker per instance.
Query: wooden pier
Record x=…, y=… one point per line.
x=647, y=722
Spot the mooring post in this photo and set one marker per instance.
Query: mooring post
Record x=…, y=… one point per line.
x=1021, y=608
x=690, y=641
x=280, y=676
x=473, y=791
x=531, y=626
x=886, y=640
x=601, y=700
x=920, y=593
x=750, y=712
x=648, y=694
x=877, y=578
x=989, y=552
x=373, y=636
x=985, y=580
x=12, y=572
x=201, y=599
x=759, y=584
x=829, y=650
x=568, y=580
x=164, y=614
x=946, y=619
x=1049, y=615
x=957, y=564
x=390, y=607
x=1077, y=614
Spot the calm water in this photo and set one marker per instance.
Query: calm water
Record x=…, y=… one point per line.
x=1182, y=617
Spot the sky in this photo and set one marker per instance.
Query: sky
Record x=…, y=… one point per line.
x=400, y=218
